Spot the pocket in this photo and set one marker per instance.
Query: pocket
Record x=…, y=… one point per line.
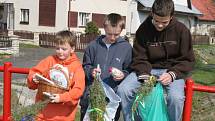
x=156, y=52
x=172, y=50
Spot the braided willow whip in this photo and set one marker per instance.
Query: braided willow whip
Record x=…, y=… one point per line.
x=144, y=90
x=97, y=100
x=28, y=113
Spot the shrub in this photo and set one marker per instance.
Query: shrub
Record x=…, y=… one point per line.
x=91, y=28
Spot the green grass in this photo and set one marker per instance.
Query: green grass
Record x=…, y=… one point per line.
x=22, y=45
x=77, y=115
x=203, y=102
x=205, y=77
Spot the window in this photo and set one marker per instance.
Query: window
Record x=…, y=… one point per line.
x=24, y=16
x=84, y=18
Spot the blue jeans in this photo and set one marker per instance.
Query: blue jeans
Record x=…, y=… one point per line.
x=175, y=95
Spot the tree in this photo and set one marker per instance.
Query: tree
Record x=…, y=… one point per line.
x=91, y=28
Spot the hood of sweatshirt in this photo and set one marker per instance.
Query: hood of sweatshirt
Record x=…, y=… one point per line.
x=72, y=58
x=157, y=36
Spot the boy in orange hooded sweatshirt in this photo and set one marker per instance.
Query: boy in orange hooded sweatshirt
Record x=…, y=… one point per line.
x=62, y=106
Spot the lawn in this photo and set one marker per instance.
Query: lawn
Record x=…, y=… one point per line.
x=204, y=72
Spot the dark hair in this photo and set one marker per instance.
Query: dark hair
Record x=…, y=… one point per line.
x=65, y=36
x=114, y=20
x=163, y=8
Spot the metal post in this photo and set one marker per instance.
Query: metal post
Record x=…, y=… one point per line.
x=188, y=102
x=7, y=92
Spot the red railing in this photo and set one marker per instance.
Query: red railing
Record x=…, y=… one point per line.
x=8, y=69
x=189, y=88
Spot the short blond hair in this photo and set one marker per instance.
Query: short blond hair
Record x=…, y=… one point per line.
x=114, y=20
x=65, y=36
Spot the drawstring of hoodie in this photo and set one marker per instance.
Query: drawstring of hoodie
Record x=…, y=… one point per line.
x=164, y=45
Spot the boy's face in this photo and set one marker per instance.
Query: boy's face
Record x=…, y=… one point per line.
x=159, y=22
x=63, y=51
x=112, y=33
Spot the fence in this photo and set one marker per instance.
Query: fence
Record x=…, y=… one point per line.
x=201, y=39
x=46, y=39
x=5, y=41
x=9, y=44
x=82, y=40
x=24, y=34
x=8, y=69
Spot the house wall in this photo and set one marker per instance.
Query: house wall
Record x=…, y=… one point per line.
x=61, y=17
x=126, y=8
x=140, y=16
x=135, y=17
x=99, y=7
x=204, y=27
x=188, y=20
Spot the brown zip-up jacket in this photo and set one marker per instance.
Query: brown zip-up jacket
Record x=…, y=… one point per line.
x=169, y=49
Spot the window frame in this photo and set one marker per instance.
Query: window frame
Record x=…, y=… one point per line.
x=24, y=18
x=82, y=16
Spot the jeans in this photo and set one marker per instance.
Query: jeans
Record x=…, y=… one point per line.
x=175, y=95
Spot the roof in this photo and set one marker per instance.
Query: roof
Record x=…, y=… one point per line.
x=178, y=7
x=207, y=7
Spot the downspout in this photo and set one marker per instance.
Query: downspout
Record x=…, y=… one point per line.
x=189, y=5
x=69, y=16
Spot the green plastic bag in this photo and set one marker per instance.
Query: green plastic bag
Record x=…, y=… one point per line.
x=153, y=106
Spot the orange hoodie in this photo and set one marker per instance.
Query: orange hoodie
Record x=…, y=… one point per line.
x=66, y=109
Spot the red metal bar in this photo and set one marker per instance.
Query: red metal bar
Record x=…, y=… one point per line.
x=19, y=70
x=1, y=68
x=188, y=101
x=7, y=92
x=16, y=70
x=201, y=88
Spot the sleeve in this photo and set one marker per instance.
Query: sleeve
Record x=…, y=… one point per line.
x=140, y=62
x=77, y=90
x=41, y=67
x=88, y=60
x=185, y=62
x=126, y=65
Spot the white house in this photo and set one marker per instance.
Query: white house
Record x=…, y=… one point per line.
x=35, y=15
x=139, y=9
x=206, y=22
x=56, y=15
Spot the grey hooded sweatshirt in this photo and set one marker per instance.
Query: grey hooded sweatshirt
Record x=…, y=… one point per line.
x=118, y=55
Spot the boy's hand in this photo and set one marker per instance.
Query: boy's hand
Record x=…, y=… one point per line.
x=118, y=77
x=95, y=70
x=35, y=80
x=117, y=74
x=55, y=98
x=58, y=66
x=165, y=79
